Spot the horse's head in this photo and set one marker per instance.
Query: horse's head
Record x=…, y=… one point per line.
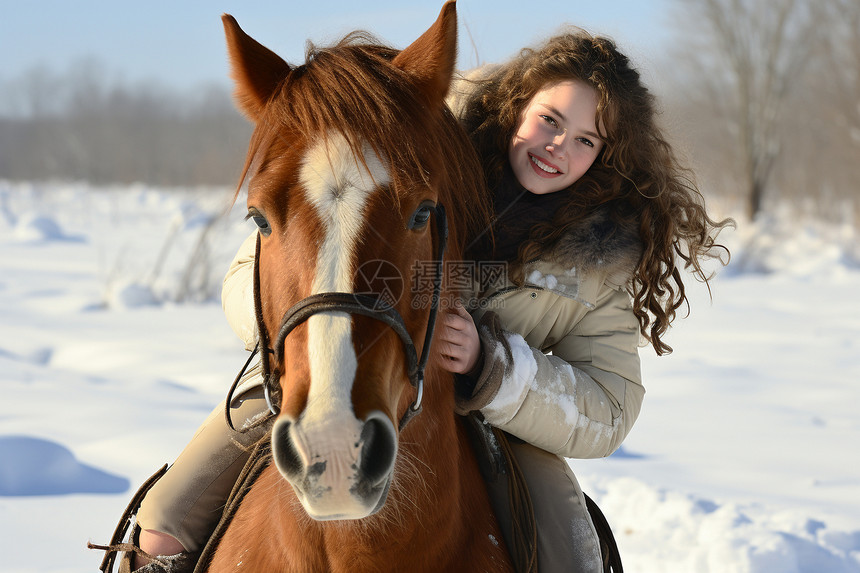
x=351, y=155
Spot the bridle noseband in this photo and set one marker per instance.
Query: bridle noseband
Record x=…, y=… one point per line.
x=350, y=303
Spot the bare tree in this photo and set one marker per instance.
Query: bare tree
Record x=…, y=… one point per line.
x=746, y=55
x=839, y=78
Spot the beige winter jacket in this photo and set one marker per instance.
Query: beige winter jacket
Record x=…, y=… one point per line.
x=237, y=293
x=561, y=363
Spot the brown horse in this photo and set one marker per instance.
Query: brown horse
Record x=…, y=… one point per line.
x=352, y=160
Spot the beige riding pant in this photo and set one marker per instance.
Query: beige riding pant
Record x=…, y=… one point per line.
x=187, y=501
x=566, y=538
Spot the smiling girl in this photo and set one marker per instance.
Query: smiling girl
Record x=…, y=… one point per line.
x=593, y=218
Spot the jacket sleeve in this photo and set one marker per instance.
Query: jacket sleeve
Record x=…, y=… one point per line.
x=578, y=402
x=237, y=293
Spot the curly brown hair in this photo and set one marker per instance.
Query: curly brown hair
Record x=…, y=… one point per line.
x=636, y=176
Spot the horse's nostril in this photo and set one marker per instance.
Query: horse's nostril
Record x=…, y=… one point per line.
x=378, y=449
x=284, y=450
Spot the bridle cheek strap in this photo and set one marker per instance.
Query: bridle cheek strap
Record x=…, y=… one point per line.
x=349, y=303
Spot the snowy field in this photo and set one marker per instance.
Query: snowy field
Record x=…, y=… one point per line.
x=113, y=348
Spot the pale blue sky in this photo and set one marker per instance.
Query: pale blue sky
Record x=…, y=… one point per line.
x=180, y=43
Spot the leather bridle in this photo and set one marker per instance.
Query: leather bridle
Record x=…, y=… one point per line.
x=350, y=303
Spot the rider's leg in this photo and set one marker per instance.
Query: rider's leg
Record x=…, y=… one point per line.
x=182, y=509
x=566, y=538
x=156, y=543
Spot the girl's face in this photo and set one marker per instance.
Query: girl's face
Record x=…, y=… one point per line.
x=556, y=140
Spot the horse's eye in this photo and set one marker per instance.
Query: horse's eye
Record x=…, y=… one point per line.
x=260, y=221
x=421, y=216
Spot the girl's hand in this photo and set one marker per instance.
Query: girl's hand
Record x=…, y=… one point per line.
x=459, y=342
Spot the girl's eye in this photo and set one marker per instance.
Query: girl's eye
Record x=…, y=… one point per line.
x=550, y=120
x=260, y=221
x=587, y=142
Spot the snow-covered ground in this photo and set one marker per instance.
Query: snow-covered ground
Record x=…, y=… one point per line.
x=745, y=457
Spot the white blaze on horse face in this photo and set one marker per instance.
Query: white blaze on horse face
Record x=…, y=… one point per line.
x=339, y=188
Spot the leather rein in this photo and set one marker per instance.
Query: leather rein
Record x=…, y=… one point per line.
x=351, y=303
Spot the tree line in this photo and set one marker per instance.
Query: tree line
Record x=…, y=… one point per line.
x=764, y=97
x=81, y=125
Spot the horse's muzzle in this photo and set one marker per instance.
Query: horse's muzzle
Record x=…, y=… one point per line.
x=339, y=469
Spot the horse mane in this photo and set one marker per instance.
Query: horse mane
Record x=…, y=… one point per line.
x=353, y=88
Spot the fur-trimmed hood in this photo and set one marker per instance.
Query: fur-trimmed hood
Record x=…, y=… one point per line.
x=595, y=252
x=598, y=243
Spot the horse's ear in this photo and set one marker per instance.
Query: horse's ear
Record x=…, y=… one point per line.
x=256, y=70
x=432, y=57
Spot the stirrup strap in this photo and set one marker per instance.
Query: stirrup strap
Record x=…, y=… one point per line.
x=113, y=548
x=524, y=529
x=608, y=548
x=258, y=460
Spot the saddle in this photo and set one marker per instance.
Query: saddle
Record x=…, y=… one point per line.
x=510, y=497
x=497, y=465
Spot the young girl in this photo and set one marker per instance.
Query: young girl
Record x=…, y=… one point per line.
x=592, y=214
x=592, y=211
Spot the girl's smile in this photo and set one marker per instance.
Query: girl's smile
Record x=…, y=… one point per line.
x=544, y=168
